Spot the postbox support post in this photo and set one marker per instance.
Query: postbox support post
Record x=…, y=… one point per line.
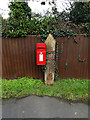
x=50, y=67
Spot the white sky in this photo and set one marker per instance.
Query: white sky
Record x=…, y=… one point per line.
x=35, y=6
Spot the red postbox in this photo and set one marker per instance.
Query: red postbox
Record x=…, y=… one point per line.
x=41, y=53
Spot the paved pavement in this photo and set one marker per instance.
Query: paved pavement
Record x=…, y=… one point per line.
x=42, y=107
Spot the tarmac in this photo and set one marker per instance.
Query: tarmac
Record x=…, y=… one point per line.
x=42, y=107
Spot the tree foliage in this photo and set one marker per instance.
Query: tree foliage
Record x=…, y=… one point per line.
x=80, y=12
x=17, y=24
x=1, y=18
x=22, y=22
x=19, y=10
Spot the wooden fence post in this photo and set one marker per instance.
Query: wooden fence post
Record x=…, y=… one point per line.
x=50, y=67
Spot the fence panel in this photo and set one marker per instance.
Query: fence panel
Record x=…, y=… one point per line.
x=69, y=64
x=0, y=57
x=19, y=59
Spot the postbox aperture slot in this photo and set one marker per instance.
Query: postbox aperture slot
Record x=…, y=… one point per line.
x=41, y=47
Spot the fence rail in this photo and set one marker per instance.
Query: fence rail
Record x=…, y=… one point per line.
x=19, y=57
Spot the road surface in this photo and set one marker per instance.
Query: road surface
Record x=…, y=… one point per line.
x=42, y=107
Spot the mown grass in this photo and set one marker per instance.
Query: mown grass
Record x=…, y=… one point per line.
x=70, y=89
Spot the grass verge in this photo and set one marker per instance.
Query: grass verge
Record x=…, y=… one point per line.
x=70, y=89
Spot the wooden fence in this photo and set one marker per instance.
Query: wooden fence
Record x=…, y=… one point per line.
x=19, y=57
x=73, y=57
